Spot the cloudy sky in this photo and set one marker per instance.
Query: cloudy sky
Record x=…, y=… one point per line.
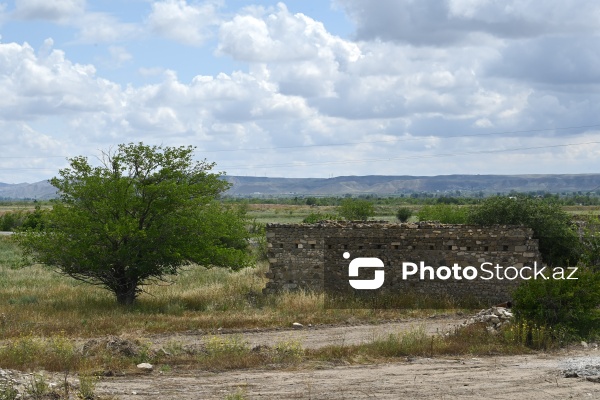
x=304, y=88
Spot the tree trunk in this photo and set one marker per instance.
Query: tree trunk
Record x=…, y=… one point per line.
x=126, y=292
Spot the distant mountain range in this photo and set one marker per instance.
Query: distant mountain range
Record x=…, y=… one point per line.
x=390, y=185
x=40, y=190
x=375, y=184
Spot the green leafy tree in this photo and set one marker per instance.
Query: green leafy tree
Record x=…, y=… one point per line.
x=311, y=201
x=558, y=240
x=143, y=214
x=356, y=209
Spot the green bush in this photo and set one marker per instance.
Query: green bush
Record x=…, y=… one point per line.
x=403, y=214
x=12, y=220
x=356, y=209
x=444, y=213
x=15, y=220
x=311, y=201
x=569, y=304
x=590, y=238
x=35, y=219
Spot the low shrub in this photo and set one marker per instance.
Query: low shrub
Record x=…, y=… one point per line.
x=403, y=214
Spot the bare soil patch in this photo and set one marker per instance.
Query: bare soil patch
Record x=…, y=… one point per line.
x=534, y=376
x=507, y=377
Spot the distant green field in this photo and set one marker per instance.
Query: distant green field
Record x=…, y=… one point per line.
x=287, y=213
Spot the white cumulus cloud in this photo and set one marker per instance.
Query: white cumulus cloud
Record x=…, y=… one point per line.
x=188, y=23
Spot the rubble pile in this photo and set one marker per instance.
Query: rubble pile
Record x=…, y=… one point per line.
x=494, y=318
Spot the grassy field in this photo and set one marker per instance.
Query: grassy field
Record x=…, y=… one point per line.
x=278, y=213
x=35, y=300
x=44, y=315
x=286, y=213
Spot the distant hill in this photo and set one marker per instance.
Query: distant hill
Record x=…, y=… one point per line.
x=40, y=191
x=389, y=185
x=373, y=184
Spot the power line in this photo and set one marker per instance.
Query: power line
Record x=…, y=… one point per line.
x=404, y=140
x=365, y=142
x=303, y=164
x=289, y=165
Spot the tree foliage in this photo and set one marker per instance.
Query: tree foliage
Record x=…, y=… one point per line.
x=356, y=209
x=143, y=214
x=558, y=240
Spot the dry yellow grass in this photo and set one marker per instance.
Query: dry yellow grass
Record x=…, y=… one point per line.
x=34, y=300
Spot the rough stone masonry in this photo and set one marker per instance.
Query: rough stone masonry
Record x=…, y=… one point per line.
x=305, y=256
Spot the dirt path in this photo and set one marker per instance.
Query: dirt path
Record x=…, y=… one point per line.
x=319, y=336
x=535, y=376
x=510, y=377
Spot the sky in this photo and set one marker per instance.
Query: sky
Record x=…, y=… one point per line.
x=304, y=88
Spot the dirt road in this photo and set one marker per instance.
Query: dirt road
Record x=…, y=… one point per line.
x=534, y=376
x=511, y=377
x=320, y=336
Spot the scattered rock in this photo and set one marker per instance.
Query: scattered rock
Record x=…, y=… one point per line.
x=581, y=367
x=18, y=384
x=584, y=344
x=147, y=367
x=297, y=325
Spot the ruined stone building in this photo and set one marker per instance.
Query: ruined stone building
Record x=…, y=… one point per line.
x=308, y=256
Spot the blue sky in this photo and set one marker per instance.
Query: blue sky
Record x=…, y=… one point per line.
x=304, y=88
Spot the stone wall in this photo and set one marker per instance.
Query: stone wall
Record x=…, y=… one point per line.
x=308, y=256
